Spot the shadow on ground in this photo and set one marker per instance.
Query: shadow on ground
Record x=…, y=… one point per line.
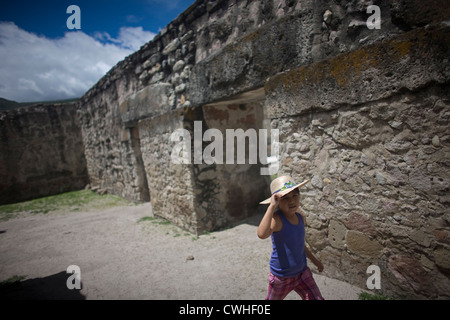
x=48, y=288
x=254, y=219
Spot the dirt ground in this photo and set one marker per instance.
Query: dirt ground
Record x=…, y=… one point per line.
x=121, y=256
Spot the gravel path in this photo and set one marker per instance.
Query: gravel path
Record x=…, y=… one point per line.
x=121, y=256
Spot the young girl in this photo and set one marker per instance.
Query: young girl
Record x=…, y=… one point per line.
x=288, y=268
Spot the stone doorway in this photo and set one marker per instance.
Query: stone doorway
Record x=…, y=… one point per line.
x=234, y=188
x=141, y=177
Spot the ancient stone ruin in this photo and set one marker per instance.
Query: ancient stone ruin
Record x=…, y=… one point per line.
x=362, y=111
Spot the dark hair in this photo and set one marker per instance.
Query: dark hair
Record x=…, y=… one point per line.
x=295, y=190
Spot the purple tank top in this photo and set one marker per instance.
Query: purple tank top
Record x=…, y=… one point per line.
x=288, y=255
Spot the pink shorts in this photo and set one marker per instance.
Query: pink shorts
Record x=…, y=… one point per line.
x=303, y=284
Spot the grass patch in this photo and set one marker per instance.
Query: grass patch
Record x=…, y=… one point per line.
x=69, y=202
x=160, y=221
x=146, y=219
x=373, y=296
x=11, y=281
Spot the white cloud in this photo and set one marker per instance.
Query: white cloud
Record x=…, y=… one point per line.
x=133, y=38
x=36, y=68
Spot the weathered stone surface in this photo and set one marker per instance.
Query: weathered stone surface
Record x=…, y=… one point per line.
x=442, y=259
x=358, y=222
x=361, y=244
x=421, y=237
x=245, y=64
x=41, y=152
x=169, y=183
x=171, y=47
x=151, y=101
x=416, y=13
x=179, y=65
x=365, y=74
x=336, y=234
x=410, y=275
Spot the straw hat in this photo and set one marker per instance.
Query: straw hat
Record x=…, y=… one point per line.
x=283, y=185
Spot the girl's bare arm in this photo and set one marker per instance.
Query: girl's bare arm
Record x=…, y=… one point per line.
x=268, y=223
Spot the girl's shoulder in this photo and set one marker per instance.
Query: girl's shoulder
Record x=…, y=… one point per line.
x=303, y=216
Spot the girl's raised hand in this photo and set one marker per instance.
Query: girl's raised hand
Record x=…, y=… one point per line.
x=275, y=200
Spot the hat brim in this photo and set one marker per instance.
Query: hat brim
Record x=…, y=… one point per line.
x=286, y=191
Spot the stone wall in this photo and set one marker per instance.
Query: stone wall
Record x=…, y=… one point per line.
x=371, y=130
x=41, y=152
x=170, y=184
x=156, y=80
x=197, y=195
x=212, y=51
x=113, y=160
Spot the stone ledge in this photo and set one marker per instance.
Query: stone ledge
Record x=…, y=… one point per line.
x=151, y=101
x=409, y=61
x=245, y=64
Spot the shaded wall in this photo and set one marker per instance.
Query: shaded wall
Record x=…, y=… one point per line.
x=41, y=152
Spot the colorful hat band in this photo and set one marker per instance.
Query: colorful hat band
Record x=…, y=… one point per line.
x=287, y=185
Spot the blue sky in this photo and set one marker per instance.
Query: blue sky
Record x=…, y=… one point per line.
x=41, y=59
